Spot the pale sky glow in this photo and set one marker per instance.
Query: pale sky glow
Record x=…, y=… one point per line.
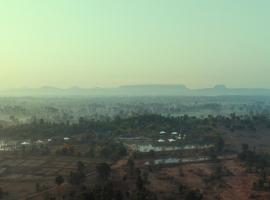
x=91, y=43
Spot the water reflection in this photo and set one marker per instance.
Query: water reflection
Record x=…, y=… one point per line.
x=149, y=147
x=176, y=160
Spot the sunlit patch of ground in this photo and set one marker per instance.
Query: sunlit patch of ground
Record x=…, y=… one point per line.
x=237, y=186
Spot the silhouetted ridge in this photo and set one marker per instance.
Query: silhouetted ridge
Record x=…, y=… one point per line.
x=137, y=90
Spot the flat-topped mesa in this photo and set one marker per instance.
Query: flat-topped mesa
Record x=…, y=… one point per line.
x=220, y=87
x=154, y=86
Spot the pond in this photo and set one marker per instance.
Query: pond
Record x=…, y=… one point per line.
x=144, y=148
x=168, y=161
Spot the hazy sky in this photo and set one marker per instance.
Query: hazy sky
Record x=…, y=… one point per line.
x=91, y=43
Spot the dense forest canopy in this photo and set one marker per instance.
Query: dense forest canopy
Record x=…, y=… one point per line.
x=137, y=125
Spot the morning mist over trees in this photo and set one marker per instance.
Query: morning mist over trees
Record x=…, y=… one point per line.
x=134, y=100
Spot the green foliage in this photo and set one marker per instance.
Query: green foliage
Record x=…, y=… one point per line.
x=106, y=191
x=108, y=149
x=142, y=195
x=146, y=124
x=76, y=178
x=130, y=166
x=59, y=180
x=38, y=187
x=104, y=171
x=194, y=195
x=258, y=161
x=219, y=143
x=80, y=166
x=1, y=193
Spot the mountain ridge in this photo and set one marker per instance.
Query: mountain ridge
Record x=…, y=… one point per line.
x=135, y=90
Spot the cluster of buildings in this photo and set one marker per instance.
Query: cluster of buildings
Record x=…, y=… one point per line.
x=42, y=141
x=171, y=137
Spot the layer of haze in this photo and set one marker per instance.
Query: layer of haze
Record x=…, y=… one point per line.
x=92, y=43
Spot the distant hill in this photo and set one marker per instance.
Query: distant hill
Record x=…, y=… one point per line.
x=152, y=89
x=137, y=90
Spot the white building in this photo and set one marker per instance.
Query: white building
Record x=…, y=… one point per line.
x=161, y=140
x=25, y=143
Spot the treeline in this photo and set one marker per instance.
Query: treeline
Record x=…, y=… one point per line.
x=138, y=125
x=258, y=163
x=59, y=110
